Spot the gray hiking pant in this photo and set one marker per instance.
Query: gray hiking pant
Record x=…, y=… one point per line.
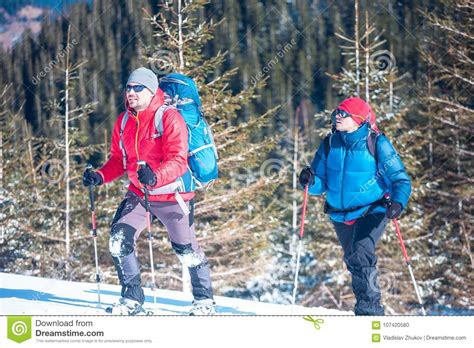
x=130, y=221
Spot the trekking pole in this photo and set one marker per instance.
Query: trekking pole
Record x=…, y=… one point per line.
x=94, y=235
x=300, y=237
x=150, y=237
x=407, y=260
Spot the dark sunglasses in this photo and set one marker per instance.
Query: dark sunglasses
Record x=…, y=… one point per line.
x=340, y=113
x=343, y=114
x=136, y=88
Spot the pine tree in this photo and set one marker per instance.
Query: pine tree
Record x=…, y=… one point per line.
x=45, y=219
x=234, y=217
x=447, y=109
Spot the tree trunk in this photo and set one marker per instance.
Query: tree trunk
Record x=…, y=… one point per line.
x=66, y=144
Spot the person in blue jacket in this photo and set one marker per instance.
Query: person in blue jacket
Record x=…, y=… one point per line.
x=366, y=185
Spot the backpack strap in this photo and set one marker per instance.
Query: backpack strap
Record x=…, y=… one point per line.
x=122, y=147
x=327, y=144
x=169, y=104
x=159, y=117
x=384, y=201
x=173, y=188
x=177, y=186
x=372, y=143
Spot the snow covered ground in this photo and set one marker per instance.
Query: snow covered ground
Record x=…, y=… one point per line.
x=41, y=296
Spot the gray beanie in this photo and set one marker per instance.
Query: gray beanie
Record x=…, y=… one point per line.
x=144, y=77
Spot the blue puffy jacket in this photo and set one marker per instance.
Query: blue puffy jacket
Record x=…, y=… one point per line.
x=351, y=177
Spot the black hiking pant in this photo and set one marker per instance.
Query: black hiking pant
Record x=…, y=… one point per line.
x=358, y=242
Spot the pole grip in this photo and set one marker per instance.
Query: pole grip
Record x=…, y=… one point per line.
x=91, y=189
x=143, y=164
x=92, y=197
x=92, y=203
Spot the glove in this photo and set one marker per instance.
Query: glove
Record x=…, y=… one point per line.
x=91, y=178
x=394, y=210
x=307, y=177
x=146, y=175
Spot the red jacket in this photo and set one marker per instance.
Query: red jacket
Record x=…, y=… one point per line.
x=166, y=155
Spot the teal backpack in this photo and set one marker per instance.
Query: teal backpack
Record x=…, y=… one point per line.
x=181, y=92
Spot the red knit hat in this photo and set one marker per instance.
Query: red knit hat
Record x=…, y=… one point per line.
x=361, y=111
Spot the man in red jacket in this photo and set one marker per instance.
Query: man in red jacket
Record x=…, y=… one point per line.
x=167, y=177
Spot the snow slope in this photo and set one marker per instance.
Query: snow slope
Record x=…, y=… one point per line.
x=41, y=296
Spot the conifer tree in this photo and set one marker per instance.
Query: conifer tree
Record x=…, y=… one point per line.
x=234, y=217
x=43, y=178
x=446, y=104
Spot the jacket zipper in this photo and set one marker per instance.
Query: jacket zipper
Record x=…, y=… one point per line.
x=137, y=122
x=342, y=178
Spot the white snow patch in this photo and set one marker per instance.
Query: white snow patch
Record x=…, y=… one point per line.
x=20, y=295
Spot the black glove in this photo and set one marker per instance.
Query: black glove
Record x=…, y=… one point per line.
x=146, y=175
x=307, y=177
x=394, y=210
x=91, y=178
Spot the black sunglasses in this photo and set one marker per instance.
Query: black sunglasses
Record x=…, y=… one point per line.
x=340, y=113
x=343, y=114
x=136, y=88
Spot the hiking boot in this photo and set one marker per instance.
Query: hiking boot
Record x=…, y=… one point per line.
x=126, y=306
x=203, y=307
x=368, y=308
